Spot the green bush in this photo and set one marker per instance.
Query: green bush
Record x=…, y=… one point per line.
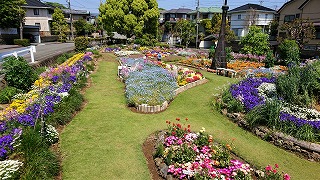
x=289, y=52
x=22, y=42
x=39, y=161
x=81, y=43
x=232, y=105
x=270, y=60
x=40, y=70
x=7, y=94
x=18, y=73
x=255, y=42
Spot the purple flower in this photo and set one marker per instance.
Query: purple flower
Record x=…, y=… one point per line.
x=26, y=120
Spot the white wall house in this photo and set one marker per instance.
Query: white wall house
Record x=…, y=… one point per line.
x=241, y=18
x=38, y=14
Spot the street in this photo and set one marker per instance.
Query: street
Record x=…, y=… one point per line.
x=43, y=50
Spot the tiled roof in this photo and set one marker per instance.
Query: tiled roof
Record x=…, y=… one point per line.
x=36, y=3
x=251, y=6
x=179, y=11
x=207, y=10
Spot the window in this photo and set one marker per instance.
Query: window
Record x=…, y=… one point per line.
x=297, y=16
x=38, y=24
x=237, y=31
x=317, y=32
x=266, y=16
x=289, y=18
x=172, y=15
x=205, y=16
x=50, y=11
x=184, y=16
x=36, y=11
x=239, y=16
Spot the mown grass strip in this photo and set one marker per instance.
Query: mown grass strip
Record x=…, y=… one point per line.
x=104, y=140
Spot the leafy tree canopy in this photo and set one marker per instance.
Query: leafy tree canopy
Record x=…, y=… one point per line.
x=55, y=4
x=255, y=42
x=185, y=29
x=130, y=17
x=301, y=30
x=83, y=27
x=11, y=13
x=59, y=24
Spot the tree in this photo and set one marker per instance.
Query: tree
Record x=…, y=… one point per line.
x=59, y=25
x=301, y=30
x=130, y=17
x=255, y=42
x=185, y=29
x=216, y=26
x=56, y=5
x=11, y=13
x=82, y=27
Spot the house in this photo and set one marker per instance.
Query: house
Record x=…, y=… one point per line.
x=305, y=9
x=38, y=16
x=76, y=14
x=205, y=12
x=241, y=18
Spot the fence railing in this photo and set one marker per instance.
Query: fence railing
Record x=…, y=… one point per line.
x=31, y=50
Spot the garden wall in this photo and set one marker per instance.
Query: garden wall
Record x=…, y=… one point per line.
x=144, y=108
x=309, y=150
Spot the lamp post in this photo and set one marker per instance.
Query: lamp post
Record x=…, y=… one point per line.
x=219, y=59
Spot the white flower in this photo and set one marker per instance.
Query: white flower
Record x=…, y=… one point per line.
x=8, y=168
x=203, y=130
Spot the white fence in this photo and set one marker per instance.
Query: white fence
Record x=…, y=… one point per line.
x=31, y=50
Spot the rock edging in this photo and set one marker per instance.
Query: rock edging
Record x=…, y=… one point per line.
x=309, y=150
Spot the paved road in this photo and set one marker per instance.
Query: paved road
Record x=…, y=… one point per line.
x=44, y=50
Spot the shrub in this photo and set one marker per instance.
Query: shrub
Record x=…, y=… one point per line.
x=22, y=42
x=81, y=43
x=255, y=42
x=289, y=52
x=18, y=73
x=7, y=94
x=232, y=104
x=40, y=161
x=270, y=60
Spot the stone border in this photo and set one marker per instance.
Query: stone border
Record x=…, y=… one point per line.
x=154, y=109
x=309, y=150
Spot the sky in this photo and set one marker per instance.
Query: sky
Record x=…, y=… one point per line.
x=93, y=5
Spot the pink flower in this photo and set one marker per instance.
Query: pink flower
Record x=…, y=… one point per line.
x=268, y=168
x=286, y=177
x=276, y=165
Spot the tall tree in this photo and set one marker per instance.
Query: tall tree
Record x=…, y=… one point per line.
x=59, y=25
x=216, y=25
x=82, y=27
x=130, y=17
x=185, y=29
x=11, y=13
x=255, y=42
x=301, y=30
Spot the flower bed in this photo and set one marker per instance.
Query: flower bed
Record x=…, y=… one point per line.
x=151, y=85
x=183, y=154
x=33, y=108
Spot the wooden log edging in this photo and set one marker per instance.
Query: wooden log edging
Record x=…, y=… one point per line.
x=145, y=108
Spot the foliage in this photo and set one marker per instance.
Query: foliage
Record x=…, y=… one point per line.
x=18, y=73
x=274, y=25
x=7, y=93
x=22, y=42
x=212, y=52
x=300, y=30
x=216, y=25
x=40, y=161
x=83, y=28
x=255, y=42
x=289, y=52
x=232, y=105
x=229, y=56
x=130, y=17
x=185, y=29
x=270, y=60
x=59, y=25
x=11, y=13
x=81, y=43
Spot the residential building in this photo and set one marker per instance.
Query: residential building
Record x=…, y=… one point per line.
x=38, y=14
x=205, y=12
x=76, y=14
x=305, y=9
x=174, y=15
x=241, y=18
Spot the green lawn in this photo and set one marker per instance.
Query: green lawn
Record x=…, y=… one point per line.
x=104, y=141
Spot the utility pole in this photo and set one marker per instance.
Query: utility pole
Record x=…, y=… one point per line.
x=71, y=25
x=219, y=59
x=198, y=14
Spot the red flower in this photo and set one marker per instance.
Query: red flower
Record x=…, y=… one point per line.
x=178, y=119
x=188, y=125
x=276, y=165
x=274, y=171
x=286, y=177
x=173, y=133
x=187, y=119
x=189, y=130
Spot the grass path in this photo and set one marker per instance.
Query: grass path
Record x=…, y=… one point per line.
x=104, y=140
